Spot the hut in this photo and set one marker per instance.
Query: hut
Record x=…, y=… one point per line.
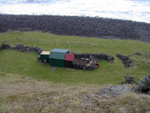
x=56, y=57
x=68, y=61
x=44, y=56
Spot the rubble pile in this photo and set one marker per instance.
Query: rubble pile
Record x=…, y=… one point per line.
x=5, y=46
x=125, y=60
x=129, y=80
x=97, y=56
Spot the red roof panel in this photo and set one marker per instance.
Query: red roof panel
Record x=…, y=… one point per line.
x=69, y=57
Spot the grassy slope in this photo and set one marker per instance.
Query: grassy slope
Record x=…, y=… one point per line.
x=21, y=94
x=19, y=72
x=25, y=63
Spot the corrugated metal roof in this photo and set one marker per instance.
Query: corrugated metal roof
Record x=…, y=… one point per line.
x=60, y=50
x=57, y=55
x=45, y=53
x=69, y=57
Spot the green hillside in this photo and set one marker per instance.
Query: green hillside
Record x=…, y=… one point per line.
x=26, y=64
x=27, y=86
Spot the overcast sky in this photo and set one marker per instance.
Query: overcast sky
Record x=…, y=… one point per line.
x=137, y=10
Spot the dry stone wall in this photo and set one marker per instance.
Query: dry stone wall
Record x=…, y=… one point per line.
x=21, y=48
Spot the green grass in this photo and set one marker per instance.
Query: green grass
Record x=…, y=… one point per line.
x=28, y=86
x=26, y=64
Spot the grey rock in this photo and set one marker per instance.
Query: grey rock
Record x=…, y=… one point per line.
x=144, y=85
x=115, y=90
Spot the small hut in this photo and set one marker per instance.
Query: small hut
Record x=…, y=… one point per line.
x=68, y=61
x=56, y=57
x=44, y=56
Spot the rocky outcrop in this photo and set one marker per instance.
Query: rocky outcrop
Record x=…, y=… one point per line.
x=77, y=26
x=115, y=90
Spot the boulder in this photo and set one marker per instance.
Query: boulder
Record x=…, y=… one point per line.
x=115, y=90
x=144, y=85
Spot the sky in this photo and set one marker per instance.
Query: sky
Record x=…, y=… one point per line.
x=136, y=10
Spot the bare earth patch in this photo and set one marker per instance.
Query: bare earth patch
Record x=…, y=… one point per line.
x=23, y=94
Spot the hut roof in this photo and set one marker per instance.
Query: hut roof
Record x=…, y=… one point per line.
x=58, y=53
x=60, y=50
x=45, y=53
x=69, y=57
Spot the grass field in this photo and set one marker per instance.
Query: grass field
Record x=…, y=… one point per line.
x=26, y=64
x=27, y=86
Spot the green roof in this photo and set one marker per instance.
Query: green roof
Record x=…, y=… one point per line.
x=58, y=53
x=56, y=57
x=60, y=50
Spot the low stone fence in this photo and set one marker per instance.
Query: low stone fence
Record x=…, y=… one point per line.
x=21, y=48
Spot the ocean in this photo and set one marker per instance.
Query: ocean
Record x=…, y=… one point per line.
x=135, y=10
